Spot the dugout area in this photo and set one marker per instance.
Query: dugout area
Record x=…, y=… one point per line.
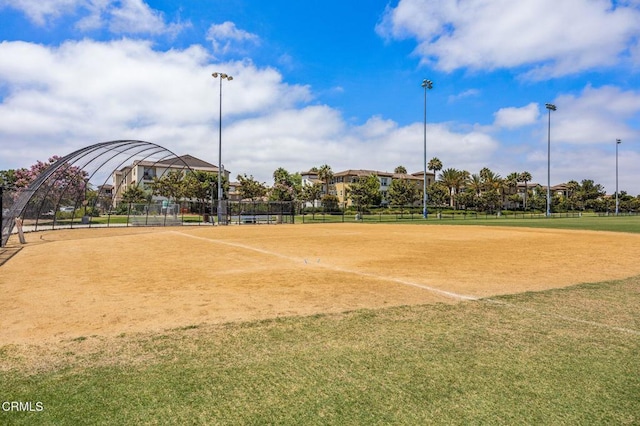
x=65, y=284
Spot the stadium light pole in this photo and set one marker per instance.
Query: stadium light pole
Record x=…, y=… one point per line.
x=220, y=192
x=550, y=107
x=426, y=84
x=618, y=142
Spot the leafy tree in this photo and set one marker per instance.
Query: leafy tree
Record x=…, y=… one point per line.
x=572, y=194
x=203, y=186
x=438, y=194
x=171, y=185
x=488, y=200
x=330, y=203
x=630, y=204
x=468, y=199
x=365, y=191
x=403, y=192
x=514, y=199
x=538, y=199
x=312, y=193
x=250, y=189
x=401, y=170
x=589, y=193
x=286, y=186
x=134, y=195
x=8, y=178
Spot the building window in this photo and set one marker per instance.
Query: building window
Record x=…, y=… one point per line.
x=149, y=173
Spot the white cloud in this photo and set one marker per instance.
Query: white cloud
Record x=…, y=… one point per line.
x=471, y=93
x=119, y=16
x=557, y=38
x=98, y=91
x=596, y=116
x=135, y=16
x=512, y=117
x=59, y=99
x=39, y=11
x=590, y=162
x=226, y=37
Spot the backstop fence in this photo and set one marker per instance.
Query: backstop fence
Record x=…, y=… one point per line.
x=157, y=213
x=163, y=213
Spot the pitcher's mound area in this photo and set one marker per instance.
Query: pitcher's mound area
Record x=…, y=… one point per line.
x=73, y=283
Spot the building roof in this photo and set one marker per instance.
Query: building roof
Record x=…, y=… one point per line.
x=408, y=176
x=189, y=160
x=421, y=173
x=361, y=173
x=177, y=162
x=364, y=173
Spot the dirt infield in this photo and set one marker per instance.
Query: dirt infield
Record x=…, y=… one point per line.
x=71, y=283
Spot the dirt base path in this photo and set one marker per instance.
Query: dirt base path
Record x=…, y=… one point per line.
x=71, y=283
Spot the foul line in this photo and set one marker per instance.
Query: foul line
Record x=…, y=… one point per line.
x=413, y=284
x=334, y=268
x=562, y=317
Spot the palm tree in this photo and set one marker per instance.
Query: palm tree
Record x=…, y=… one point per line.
x=325, y=174
x=453, y=179
x=572, y=189
x=511, y=182
x=493, y=186
x=400, y=170
x=435, y=164
x=525, y=177
x=485, y=173
x=475, y=184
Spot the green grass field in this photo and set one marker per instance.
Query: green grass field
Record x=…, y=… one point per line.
x=586, y=222
x=566, y=356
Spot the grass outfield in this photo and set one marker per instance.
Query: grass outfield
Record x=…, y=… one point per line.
x=560, y=356
x=566, y=356
x=587, y=222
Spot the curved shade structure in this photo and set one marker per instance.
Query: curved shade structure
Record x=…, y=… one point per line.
x=66, y=182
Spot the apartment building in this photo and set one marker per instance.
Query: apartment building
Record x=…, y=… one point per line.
x=142, y=172
x=342, y=180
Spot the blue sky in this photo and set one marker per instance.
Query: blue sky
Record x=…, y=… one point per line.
x=334, y=82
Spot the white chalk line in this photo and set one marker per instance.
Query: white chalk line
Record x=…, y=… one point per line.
x=562, y=317
x=334, y=268
x=413, y=284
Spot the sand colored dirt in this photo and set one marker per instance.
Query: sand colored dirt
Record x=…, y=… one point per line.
x=70, y=283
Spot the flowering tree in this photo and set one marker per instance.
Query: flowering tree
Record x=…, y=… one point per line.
x=67, y=185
